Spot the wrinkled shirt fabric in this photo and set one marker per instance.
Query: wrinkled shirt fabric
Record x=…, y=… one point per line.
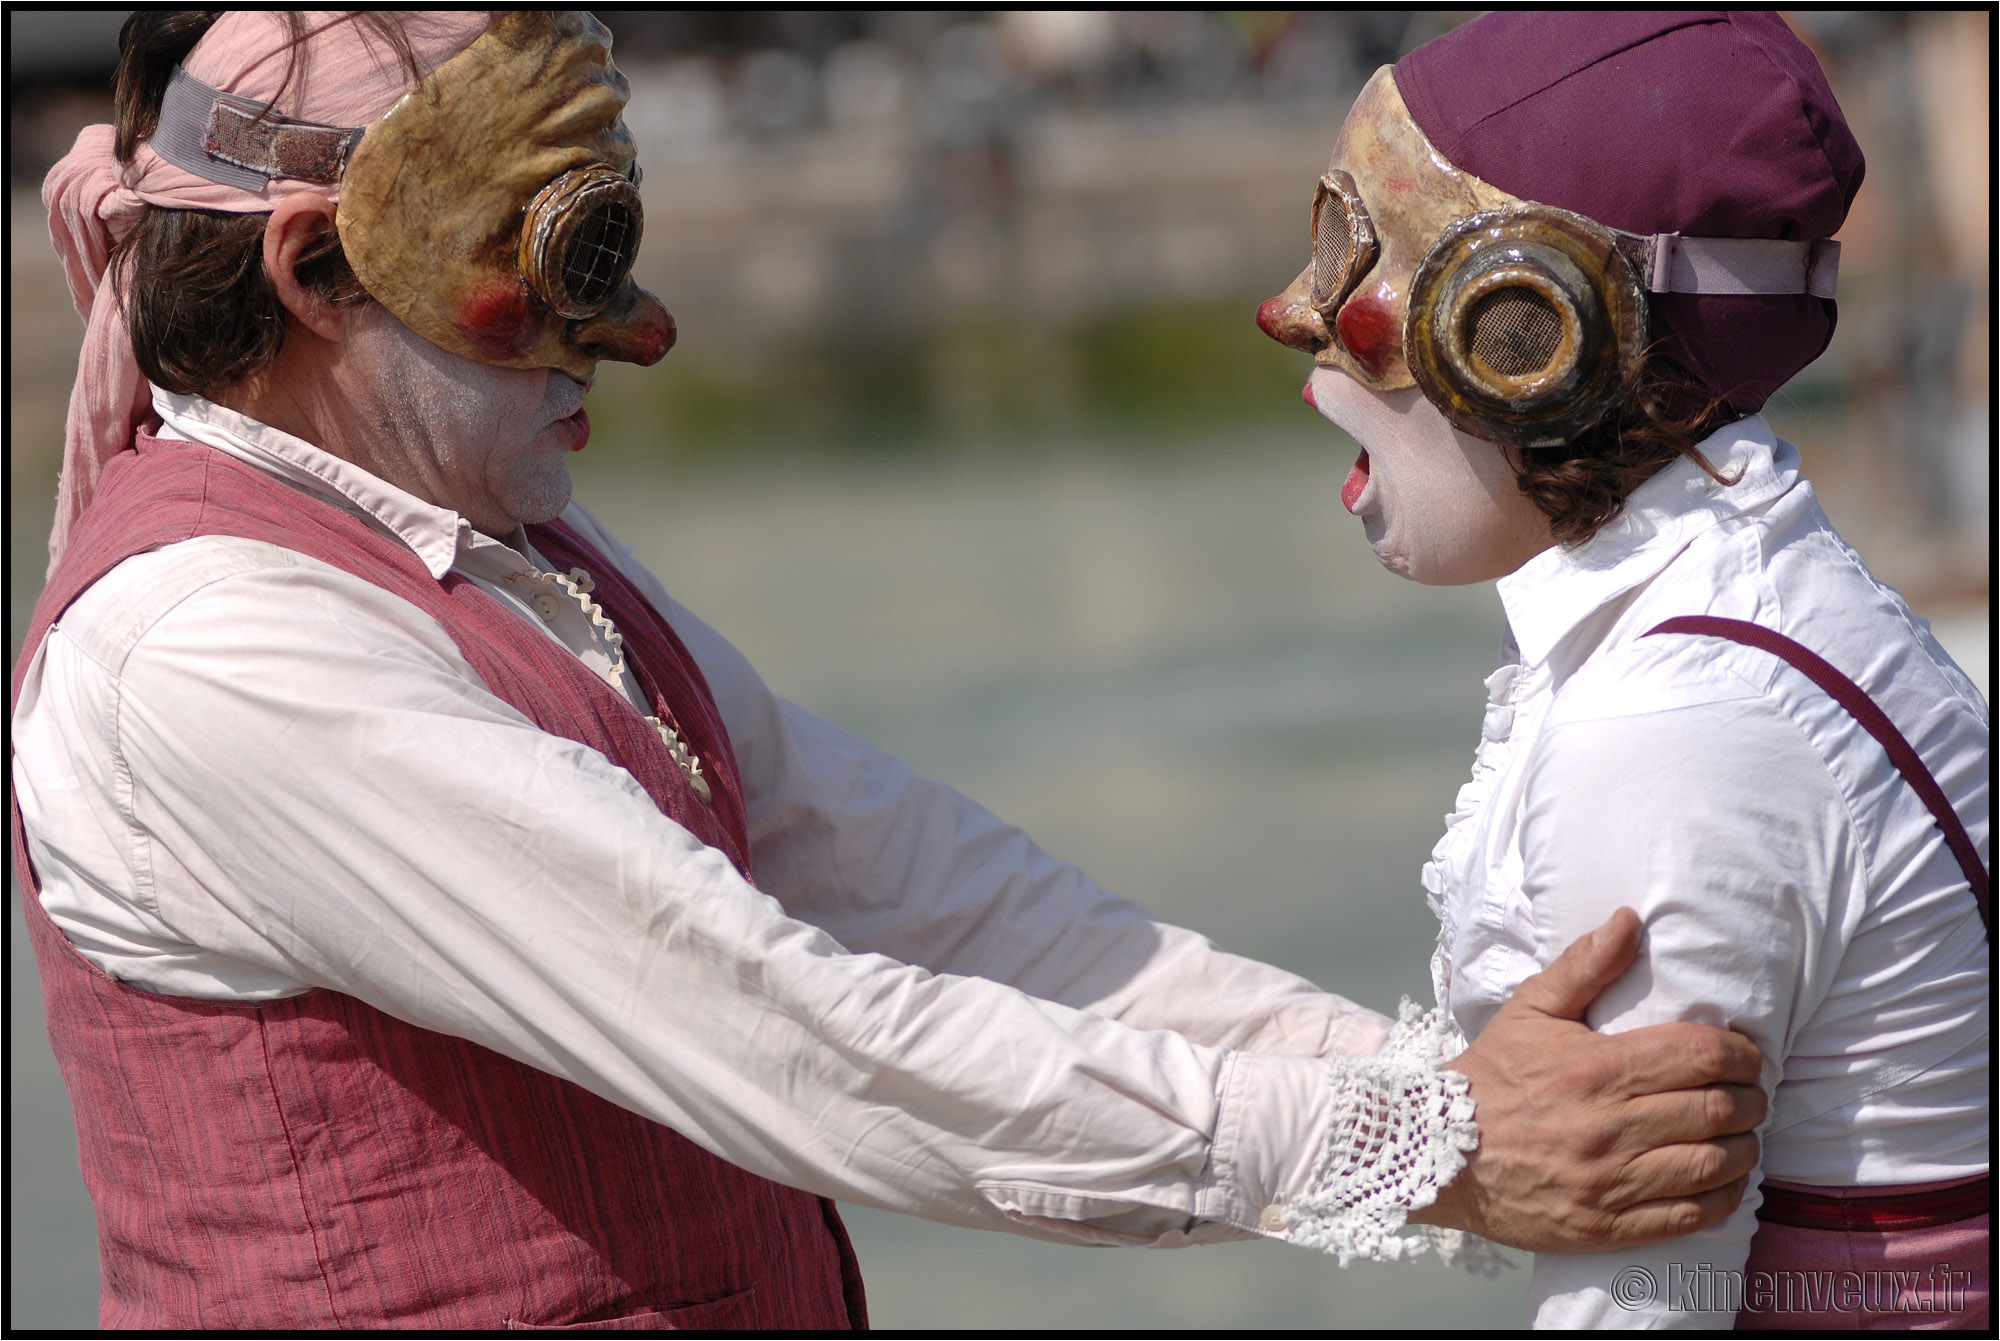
x=914, y=1007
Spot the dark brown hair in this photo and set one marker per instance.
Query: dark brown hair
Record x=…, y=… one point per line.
x=203, y=314
x=1583, y=484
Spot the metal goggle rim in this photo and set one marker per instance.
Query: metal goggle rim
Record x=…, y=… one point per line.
x=559, y=224
x=1343, y=242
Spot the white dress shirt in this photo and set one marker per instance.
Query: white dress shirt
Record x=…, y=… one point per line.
x=1792, y=885
x=246, y=774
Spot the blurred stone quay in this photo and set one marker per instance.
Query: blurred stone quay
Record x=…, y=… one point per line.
x=1050, y=163
x=895, y=230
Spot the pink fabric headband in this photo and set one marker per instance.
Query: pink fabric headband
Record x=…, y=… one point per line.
x=346, y=75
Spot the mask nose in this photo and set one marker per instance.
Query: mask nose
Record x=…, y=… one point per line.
x=1290, y=320
x=635, y=328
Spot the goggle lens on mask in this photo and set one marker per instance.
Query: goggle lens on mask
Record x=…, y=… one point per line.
x=1343, y=242
x=580, y=239
x=1514, y=331
x=1525, y=323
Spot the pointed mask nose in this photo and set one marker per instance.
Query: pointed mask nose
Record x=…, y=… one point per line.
x=636, y=328
x=1290, y=320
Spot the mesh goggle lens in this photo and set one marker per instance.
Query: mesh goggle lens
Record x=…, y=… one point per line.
x=1515, y=331
x=1343, y=242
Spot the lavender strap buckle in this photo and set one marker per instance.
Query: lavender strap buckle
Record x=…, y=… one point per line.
x=1739, y=265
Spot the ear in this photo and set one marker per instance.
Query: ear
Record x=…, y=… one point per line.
x=298, y=222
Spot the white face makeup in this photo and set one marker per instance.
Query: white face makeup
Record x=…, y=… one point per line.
x=492, y=444
x=1440, y=507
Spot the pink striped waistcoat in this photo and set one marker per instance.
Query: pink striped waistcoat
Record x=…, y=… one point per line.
x=315, y=1163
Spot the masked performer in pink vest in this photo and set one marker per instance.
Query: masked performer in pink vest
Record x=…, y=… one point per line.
x=440, y=927
x=1559, y=261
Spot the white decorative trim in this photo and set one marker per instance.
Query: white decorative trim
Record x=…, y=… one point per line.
x=1402, y=1128
x=579, y=584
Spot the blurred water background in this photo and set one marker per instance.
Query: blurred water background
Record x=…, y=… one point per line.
x=971, y=444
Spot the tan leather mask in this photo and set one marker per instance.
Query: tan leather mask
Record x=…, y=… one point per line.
x=1522, y=322
x=1411, y=195
x=1519, y=321
x=494, y=208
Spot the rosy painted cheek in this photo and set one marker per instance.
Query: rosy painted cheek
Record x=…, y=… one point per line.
x=1367, y=330
x=497, y=321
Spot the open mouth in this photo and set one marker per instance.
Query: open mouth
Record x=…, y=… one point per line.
x=1357, y=481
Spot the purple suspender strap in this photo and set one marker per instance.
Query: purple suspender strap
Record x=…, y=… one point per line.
x=1873, y=720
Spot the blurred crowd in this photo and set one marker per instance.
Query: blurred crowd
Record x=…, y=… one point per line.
x=962, y=78
x=888, y=169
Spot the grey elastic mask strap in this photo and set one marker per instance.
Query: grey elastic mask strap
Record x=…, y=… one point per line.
x=238, y=142
x=1671, y=263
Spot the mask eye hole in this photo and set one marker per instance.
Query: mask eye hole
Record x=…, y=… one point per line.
x=580, y=239
x=1343, y=242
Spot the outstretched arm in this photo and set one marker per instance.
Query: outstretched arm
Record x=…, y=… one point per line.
x=1580, y=1146
x=886, y=862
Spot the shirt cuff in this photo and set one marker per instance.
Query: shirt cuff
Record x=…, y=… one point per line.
x=1274, y=1114
x=1395, y=1128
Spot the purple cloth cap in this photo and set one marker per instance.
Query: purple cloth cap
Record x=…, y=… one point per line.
x=1711, y=123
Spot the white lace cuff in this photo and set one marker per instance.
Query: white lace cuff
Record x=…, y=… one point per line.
x=1400, y=1131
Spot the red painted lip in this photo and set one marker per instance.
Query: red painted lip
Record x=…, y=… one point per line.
x=578, y=428
x=1357, y=482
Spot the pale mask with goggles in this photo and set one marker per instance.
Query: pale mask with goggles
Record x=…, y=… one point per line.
x=493, y=210
x=1521, y=322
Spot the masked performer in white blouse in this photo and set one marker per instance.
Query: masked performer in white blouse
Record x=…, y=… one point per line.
x=1559, y=261
x=441, y=927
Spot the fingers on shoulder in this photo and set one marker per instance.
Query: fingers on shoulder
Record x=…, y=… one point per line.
x=1658, y=1221
x=1687, y=1170
x=1680, y=1056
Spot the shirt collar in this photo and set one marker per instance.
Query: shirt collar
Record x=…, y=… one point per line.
x=440, y=537
x=1550, y=595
